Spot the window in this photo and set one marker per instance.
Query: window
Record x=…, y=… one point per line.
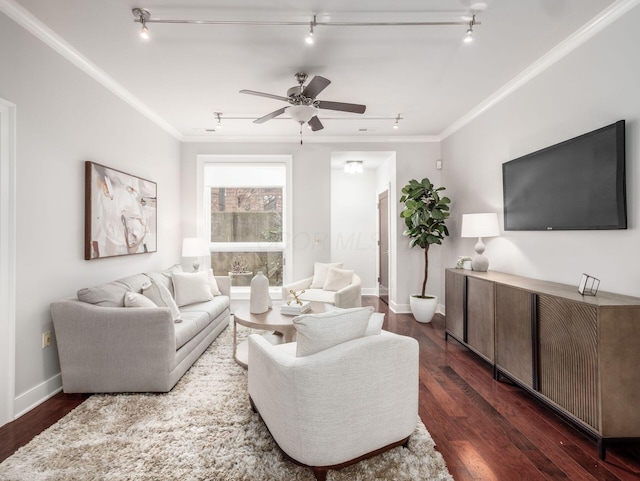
x=245, y=216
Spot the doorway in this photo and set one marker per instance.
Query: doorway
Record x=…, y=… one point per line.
x=383, y=246
x=7, y=261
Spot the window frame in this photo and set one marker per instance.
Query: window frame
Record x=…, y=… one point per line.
x=204, y=212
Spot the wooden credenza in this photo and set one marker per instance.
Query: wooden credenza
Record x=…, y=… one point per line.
x=579, y=354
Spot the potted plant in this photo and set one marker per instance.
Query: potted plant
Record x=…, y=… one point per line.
x=424, y=214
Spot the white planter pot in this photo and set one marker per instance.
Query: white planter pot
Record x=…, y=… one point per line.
x=423, y=309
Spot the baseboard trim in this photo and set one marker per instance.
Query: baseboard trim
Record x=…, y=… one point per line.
x=370, y=291
x=37, y=395
x=406, y=308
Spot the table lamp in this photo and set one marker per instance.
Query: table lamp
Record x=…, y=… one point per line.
x=195, y=247
x=480, y=225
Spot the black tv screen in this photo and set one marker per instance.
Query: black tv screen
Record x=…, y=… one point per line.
x=578, y=184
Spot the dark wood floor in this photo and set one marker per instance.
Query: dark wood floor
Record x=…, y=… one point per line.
x=486, y=430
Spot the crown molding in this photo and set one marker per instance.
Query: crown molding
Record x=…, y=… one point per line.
x=568, y=45
x=29, y=22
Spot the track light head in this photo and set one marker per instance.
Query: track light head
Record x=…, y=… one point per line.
x=144, y=33
x=468, y=38
x=142, y=15
x=309, y=39
x=396, y=125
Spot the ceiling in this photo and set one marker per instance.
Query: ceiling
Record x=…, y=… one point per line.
x=426, y=74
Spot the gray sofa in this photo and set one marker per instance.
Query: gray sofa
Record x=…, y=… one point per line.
x=106, y=347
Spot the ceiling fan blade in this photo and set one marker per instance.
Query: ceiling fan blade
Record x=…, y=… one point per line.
x=315, y=123
x=342, y=107
x=262, y=94
x=317, y=85
x=270, y=116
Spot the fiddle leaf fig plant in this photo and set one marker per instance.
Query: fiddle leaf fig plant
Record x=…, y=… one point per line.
x=424, y=214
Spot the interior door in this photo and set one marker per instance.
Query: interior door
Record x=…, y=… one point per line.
x=383, y=246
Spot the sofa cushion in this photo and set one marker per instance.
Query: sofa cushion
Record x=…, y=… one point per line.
x=318, y=295
x=317, y=332
x=161, y=296
x=192, y=323
x=320, y=273
x=337, y=279
x=134, y=299
x=191, y=287
x=112, y=294
x=213, y=308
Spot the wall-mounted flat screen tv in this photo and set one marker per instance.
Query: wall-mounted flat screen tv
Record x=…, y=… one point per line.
x=578, y=184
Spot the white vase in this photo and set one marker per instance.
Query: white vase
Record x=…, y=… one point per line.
x=259, y=300
x=423, y=308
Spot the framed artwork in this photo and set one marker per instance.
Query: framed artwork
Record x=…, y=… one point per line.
x=120, y=213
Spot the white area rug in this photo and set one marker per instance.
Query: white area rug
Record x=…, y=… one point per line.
x=202, y=430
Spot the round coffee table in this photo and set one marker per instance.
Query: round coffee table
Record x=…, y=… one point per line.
x=272, y=320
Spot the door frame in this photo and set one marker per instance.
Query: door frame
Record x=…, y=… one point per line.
x=7, y=260
x=383, y=195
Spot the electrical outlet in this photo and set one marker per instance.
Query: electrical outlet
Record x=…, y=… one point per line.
x=46, y=339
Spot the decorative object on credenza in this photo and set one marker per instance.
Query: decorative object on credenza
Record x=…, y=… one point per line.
x=259, y=299
x=424, y=214
x=295, y=297
x=588, y=285
x=464, y=262
x=195, y=247
x=120, y=213
x=480, y=225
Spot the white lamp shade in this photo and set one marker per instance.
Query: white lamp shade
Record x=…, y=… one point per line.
x=480, y=225
x=302, y=113
x=195, y=247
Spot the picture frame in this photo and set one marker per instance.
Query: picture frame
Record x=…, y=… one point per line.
x=120, y=213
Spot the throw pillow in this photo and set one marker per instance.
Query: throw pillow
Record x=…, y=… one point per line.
x=161, y=297
x=374, y=327
x=375, y=324
x=133, y=299
x=337, y=279
x=191, y=287
x=320, y=273
x=213, y=284
x=317, y=332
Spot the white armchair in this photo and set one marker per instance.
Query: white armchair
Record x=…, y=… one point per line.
x=338, y=406
x=328, y=285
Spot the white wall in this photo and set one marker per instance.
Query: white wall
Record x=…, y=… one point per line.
x=312, y=202
x=595, y=85
x=354, y=216
x=64, y=118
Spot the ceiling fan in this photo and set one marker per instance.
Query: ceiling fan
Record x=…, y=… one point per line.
x=304, y=106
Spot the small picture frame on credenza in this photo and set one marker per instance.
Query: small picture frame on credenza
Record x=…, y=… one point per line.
x=588, y=285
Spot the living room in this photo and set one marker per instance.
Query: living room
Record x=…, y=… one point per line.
x=58, y=116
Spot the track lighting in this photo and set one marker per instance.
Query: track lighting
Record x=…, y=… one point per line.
x=309, y=38
x=396, y=126
x=142, y=15
x=219, y=119
x=468, y=38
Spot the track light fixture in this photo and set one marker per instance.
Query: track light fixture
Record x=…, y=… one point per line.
x=143, y=16
x=309, y=40
x=396, y=126
x=218, y=116
x=468, y=38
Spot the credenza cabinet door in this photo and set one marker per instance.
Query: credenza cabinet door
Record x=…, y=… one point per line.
x=514, y=334
x=480, y=317
x=455, y=287
x=568, y=356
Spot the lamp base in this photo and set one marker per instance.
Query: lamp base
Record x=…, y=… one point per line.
x=480, y=263
x=196, y=265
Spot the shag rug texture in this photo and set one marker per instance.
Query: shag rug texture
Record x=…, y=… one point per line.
x=204, y=429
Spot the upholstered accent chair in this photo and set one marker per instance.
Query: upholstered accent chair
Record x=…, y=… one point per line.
x=331, y=284
x=343, y=392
